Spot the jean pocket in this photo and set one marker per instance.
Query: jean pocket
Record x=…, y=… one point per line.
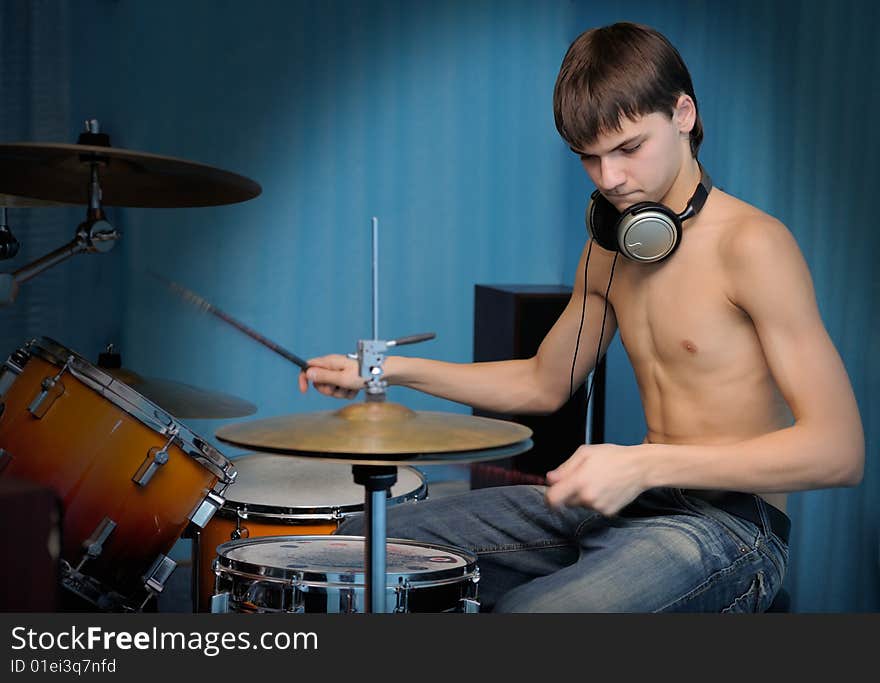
x=742, y=533
x=756, y=599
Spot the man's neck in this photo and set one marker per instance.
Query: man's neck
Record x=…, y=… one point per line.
x=684, y=185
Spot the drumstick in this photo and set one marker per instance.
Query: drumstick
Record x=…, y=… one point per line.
x=194, y=298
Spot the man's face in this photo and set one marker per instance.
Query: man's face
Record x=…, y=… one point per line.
x=638, y=163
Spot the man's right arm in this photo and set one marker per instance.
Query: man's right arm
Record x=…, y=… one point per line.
x=535, y=385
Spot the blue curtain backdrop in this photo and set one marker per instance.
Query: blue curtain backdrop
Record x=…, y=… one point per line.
x=436, y=118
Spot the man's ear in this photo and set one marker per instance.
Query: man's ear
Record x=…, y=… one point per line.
x=685, y=114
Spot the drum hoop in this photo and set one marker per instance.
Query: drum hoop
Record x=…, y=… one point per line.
x=139, y=407
x=239, y=509
x=352, y=579
x=299, y=581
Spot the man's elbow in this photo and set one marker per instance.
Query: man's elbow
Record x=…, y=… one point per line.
x=851, y=469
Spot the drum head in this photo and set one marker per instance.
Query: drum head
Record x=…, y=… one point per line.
x=285, y=485
x=339, y=560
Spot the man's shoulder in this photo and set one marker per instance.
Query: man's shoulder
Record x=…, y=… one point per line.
x=748, y=235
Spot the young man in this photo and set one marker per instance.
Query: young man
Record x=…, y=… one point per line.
x=744, y=394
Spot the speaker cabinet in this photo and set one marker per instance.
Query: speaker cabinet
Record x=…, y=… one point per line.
x=30, y=545
x=510, y=322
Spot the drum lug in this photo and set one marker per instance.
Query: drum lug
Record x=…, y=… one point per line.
x=158, y=574
x=11, y=369
x=470, y=606
x=156, y=457
x=402, y=590
x=52, y=390
x=94, y=544
x=206, y=509
x=5, y=458
x=220, y=603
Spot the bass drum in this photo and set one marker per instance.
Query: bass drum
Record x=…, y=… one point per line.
x=130, y=476
x=325, y=574
x=279, y=495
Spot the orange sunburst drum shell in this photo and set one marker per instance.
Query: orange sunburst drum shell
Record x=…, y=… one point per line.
x=87, y=449
x=280, y=495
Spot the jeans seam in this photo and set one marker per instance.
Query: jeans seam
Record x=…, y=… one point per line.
x=514, y=547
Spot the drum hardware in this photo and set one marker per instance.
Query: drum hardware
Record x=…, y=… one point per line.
x=9, y=246
x=94, y=544
x=207, y=508
x=11, y=369
x=51, y=388
x=154, y=460
x=94, y=173
x=5, y=456
x=157, y=576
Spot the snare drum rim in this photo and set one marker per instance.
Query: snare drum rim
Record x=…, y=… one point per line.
x=240, y=509
x=139, y=407
x=354, y=579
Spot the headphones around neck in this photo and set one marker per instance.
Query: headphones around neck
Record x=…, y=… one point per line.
x=647, y=232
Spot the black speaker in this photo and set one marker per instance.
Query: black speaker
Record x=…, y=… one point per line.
x=510, y=322
x=30, y=543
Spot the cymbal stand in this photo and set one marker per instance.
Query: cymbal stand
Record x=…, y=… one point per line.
x=94, y=235
x=376, y=479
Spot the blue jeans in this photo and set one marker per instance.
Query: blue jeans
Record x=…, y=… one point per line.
x=664, y=552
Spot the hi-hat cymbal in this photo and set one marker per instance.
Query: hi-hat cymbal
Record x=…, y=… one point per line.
x=381, y=433
x=184, y=400
x=60, y=172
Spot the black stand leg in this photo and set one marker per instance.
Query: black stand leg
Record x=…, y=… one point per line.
x=377, y=480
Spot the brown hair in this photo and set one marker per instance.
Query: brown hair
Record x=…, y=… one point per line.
x=619, y=70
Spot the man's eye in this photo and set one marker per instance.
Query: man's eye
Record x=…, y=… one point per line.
x=630, y=150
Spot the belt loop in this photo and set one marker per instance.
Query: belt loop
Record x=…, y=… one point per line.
x=762, y=515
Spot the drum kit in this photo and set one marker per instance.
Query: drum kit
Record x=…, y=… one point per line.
x=133, y=479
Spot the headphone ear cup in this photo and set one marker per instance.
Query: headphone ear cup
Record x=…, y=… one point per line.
x=602, y=220
x=648, y=232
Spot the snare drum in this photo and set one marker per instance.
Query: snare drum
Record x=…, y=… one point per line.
x=129, y=475
x=325, y=574
x=278, y=495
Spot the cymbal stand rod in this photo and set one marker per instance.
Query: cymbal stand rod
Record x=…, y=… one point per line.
x=377, y=481
x=25, y=273
x=375, y=223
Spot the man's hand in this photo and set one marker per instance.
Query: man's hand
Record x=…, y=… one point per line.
x=604, y=477
x=333, y=375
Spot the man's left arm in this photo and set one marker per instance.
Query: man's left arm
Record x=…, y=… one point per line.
x=823, y=448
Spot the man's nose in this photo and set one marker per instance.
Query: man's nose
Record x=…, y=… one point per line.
x=611, y=174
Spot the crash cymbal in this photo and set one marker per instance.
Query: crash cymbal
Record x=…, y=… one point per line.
x=60, y=172
x=380, y=433
x=184, y=400
x=11, y=201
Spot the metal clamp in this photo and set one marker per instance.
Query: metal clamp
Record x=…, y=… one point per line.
x=94, y=544
x=11, y=369
x=156, y=457
x=158, y=573
x=206, y=509
x=52, y=389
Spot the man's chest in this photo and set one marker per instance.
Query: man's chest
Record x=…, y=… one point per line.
x=678, y=314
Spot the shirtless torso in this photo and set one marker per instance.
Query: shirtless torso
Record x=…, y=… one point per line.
x=698, y=361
